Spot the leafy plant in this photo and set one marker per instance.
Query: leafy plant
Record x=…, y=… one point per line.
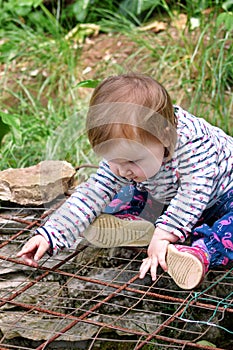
x=90, y=83
x=33, y=13
x=226, y=18
x=9, y=123
x=20, y=7
x=4, y=129
x=85, y=11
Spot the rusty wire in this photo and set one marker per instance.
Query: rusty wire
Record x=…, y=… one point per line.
x=91, y=298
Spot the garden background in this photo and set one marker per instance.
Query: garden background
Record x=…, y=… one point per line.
x=52, y=53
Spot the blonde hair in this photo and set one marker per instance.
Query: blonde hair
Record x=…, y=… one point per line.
x=132, y=106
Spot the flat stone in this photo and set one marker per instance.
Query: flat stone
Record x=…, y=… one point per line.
x=37, y=327
x=38, y=184
x=46, y=294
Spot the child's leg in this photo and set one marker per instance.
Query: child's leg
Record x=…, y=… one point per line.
x=186, y=265
x=128, y=200
x=109, y=231
x=217, y=237
x=218, y=240
x=121, y=224
x=212, y=245
x=131, y=201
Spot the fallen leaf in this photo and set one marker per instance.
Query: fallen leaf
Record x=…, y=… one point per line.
x=206, y=343
x=154, y=26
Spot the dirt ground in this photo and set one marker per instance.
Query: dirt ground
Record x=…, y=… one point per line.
x=107, y=52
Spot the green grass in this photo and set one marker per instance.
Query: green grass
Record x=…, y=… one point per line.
x=40, y=70
x=38, y=82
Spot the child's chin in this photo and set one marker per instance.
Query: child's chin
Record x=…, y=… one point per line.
x=140, y=179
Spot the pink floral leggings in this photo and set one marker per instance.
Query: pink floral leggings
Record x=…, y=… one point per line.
x=215, y=226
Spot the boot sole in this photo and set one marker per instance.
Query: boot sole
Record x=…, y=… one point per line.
x=109, y=231
x=185, y=269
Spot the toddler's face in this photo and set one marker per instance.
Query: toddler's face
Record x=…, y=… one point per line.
x=133, y=160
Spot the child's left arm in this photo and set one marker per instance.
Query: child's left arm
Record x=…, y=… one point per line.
x=157, y=252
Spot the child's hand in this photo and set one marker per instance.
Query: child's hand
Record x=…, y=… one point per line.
x=157, y=251
x=33, y=250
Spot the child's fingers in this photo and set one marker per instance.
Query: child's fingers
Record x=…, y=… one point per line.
x=29, y=261
x=42, y=248
x=153, y=268
x=162, y=261
x=144, y=268
x=163, y=264
x=162, y=256
x=22, y=252
x=27, y=248
x=33, y=250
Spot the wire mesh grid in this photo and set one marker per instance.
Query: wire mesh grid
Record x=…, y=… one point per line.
x=91, y=298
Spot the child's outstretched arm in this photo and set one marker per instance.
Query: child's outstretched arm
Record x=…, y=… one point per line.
x=67, y=223
x=33, y=250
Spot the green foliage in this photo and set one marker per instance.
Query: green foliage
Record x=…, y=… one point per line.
x=37, y=78
x=43, y=102
x=9, y=122
x=19, y=7
x=206, y=343
x=90, y=83
x=33, y=13
x=139, y=9
x=92, y=10
x=226, y=18
x=4, y=129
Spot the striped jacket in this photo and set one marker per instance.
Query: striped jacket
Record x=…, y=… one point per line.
x=199, y=172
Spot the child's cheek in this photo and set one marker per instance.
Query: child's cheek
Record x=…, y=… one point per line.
x=113, y=168
x=140, y=172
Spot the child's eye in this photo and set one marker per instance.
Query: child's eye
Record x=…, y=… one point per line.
x=134, y=161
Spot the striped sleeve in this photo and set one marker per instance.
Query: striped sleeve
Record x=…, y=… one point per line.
x=67, y=223
x=197, y=168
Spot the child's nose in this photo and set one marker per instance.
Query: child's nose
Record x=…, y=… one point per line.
x=124, y=171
